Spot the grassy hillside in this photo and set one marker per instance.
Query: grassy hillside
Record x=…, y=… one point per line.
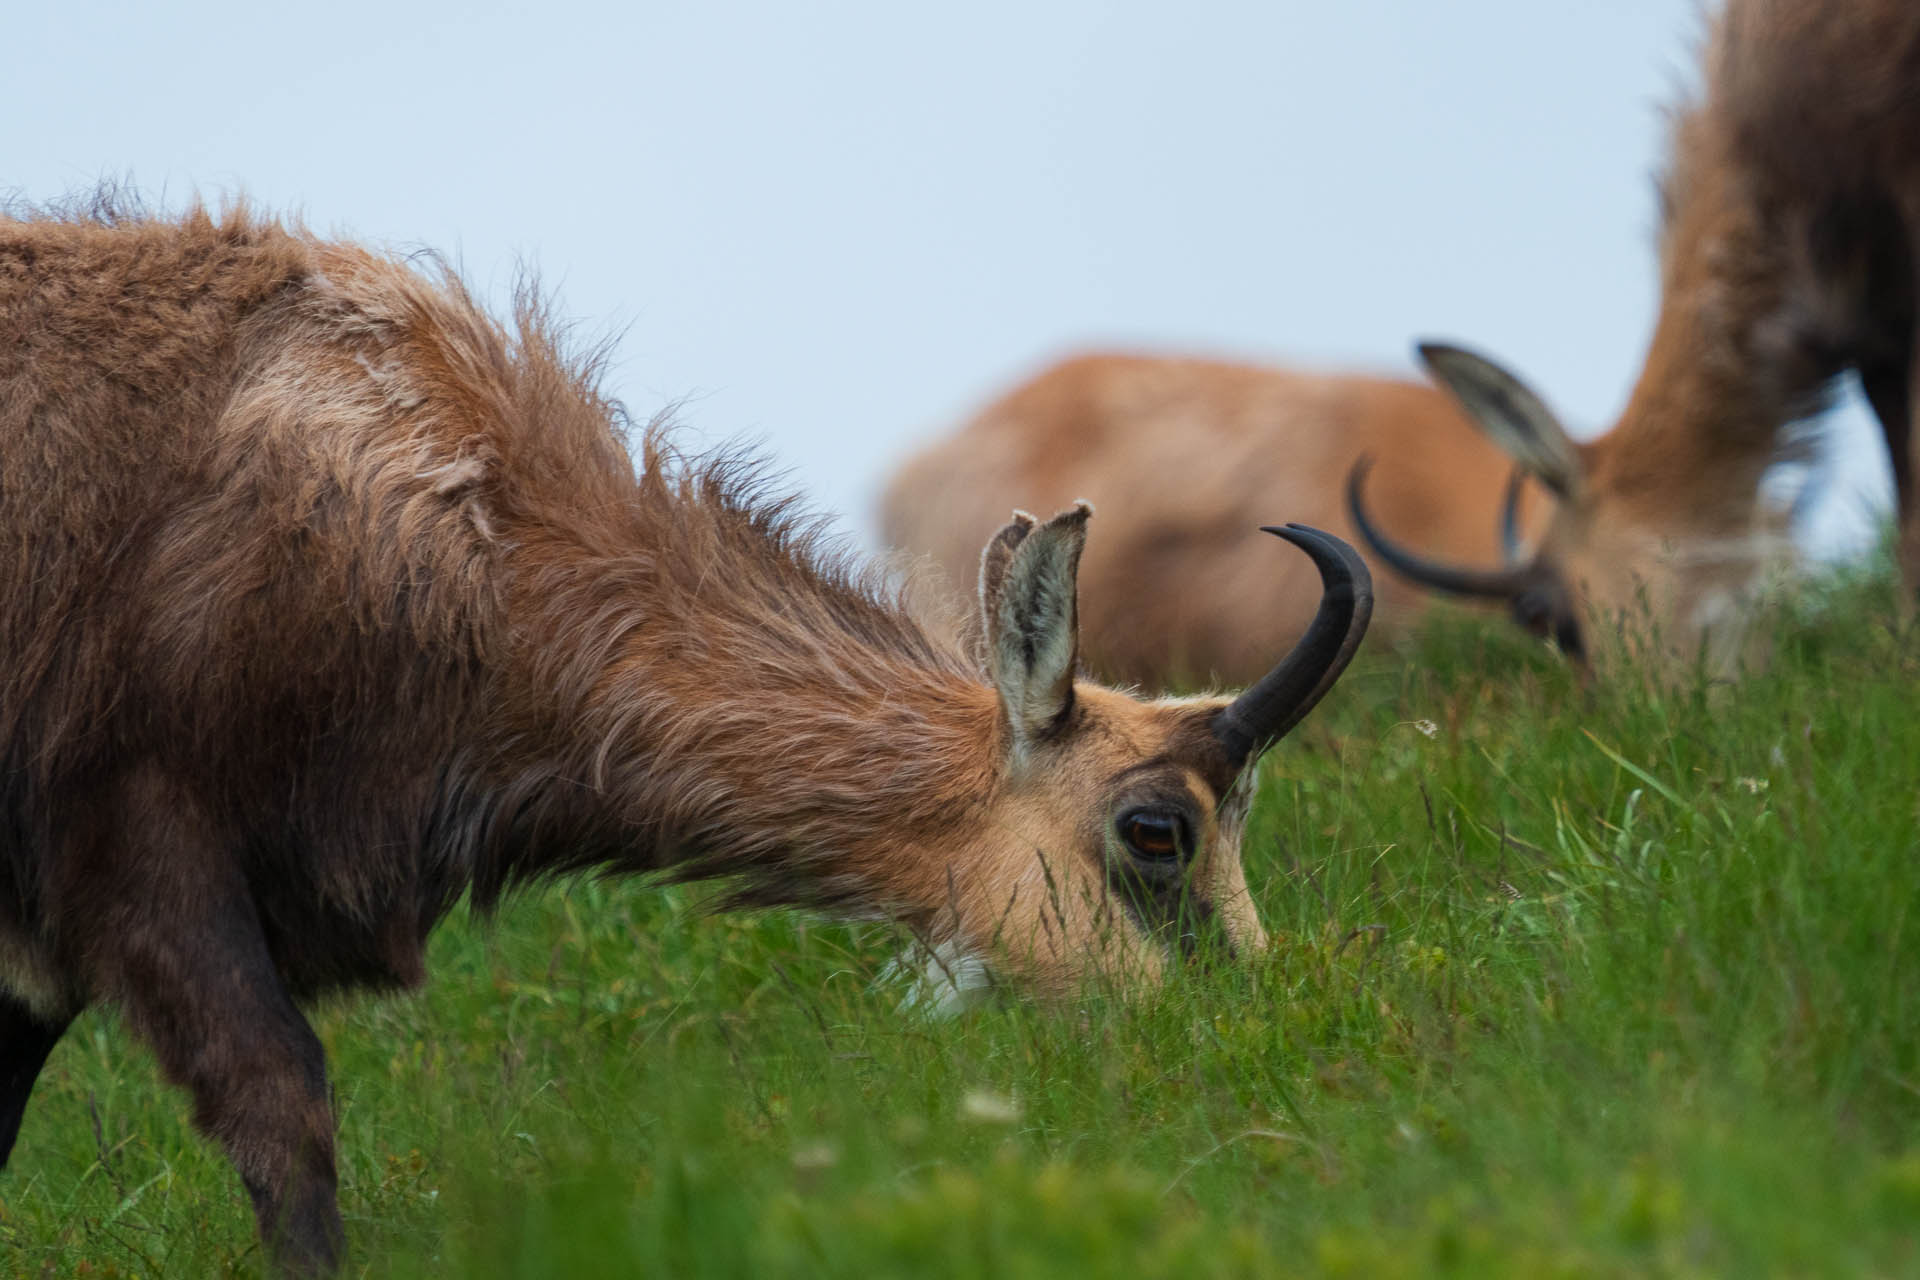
x=1564, y=982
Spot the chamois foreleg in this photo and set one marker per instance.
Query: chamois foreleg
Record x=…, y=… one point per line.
x=26, y=1038
x=188, y=963
x=1888, y=358
x=1889, y=386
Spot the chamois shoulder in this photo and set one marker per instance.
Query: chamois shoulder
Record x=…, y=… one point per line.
x=120, y=304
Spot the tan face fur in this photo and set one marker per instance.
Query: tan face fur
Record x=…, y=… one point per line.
x=1108, y=839
x=1668, y=565
x=1676, y=593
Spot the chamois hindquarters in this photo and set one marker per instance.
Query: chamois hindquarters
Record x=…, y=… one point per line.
x=1176, y=594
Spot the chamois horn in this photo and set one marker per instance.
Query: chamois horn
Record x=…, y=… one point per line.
x=1263, y=714
x=1498, y=584
x=1510, y=516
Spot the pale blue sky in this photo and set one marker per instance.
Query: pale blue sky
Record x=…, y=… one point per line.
x=837, y=227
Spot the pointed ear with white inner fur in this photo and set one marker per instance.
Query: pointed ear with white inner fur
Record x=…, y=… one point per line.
x=994, y=561
x=1028, y=585
x=1510, y=414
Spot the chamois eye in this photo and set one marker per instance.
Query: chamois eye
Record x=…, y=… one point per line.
x=1544, y=616
x=1155, y=835
x=1532, y=611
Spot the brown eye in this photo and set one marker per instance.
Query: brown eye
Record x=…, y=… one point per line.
x=1533, y=613
x=1546, y=613
x=1155, y=835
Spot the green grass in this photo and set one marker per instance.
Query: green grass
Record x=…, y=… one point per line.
x=1565, y=981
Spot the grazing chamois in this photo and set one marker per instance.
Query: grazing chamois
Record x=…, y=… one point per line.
x=331, y=599
x=1790, y=216
x=1180, y=455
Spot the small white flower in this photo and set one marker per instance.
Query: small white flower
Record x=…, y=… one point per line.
x=815, y=1156
x=983, y=1107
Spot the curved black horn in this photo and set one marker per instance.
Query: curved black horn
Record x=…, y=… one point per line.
x=1510, y=517
x=1499, y=584
x=1263, y=714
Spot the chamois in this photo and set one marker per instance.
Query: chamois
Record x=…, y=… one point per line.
x=334, y=599
x=1180, y=455
x=1790, y=210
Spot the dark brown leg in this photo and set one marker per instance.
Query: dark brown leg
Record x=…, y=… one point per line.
x=25, y=1041
x=1890, y=391
x=185, y=957
x=224, y=1029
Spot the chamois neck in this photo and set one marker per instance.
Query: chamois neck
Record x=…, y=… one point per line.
x=1729, y=366
x=739, y=700
x=1696, y=415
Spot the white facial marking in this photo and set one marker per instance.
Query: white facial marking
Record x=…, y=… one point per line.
x=946, y=980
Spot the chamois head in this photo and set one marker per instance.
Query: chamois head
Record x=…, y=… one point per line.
x=1632, y=541
x=1110, y=840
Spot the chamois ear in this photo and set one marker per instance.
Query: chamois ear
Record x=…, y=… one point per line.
x=1511, y=415
x=994, y=561
x=1028, y=577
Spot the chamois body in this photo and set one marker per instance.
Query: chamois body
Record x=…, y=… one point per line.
x=330, y=599
x=319, y=544
x=1181, y=455
x=1790, y=215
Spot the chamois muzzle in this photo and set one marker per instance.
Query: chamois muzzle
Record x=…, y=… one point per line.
x=1263, y=714
x=1533, y=590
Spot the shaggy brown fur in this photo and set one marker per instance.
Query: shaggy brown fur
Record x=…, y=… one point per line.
x=330, y=599
x=1181, y=456
x=1791, y=210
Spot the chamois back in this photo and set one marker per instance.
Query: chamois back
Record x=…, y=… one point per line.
x=1180, y=456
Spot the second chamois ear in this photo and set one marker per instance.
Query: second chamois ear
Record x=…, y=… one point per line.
x=1028, y=601
x=1510, y=414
